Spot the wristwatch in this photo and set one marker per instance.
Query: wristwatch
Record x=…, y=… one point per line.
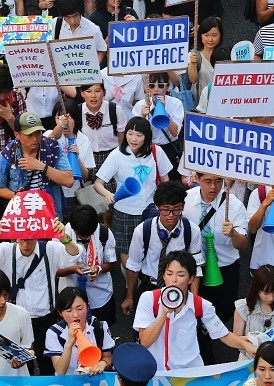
x=99, y=269
x=68, y=240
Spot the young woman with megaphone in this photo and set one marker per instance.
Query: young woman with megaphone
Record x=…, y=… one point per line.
x=71, y=343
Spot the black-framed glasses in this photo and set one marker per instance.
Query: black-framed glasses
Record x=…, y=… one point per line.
x=166, y=212
x=217, y=182
x=158, y=85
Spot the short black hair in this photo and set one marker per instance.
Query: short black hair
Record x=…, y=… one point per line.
x=169, y=193
x=72, y=109
x=69, y=7
x=84, y=220
x=67, y=296
x=184, y=258
x=266, y=352
x=4, y=283
x=6, y=83
x=159, y=77
x=143, y=126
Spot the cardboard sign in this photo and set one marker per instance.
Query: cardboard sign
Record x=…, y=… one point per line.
x=241, y=89
x=75, y=61
x=243, y=50
x=229, y=148
x=148, y=46
x=168, y=3
x=29, y=215
x=268, y=53
x=10, y=350
x=24, y=29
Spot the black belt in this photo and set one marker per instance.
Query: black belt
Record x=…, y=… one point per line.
x=147, y=279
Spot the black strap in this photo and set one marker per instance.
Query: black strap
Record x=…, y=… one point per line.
x=212, y=211
x=46, y=260
x=103, y=235
x=98, y=332
x=58, y=27
x=187, y=232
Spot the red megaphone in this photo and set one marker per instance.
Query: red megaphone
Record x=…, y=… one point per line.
x=88, y=354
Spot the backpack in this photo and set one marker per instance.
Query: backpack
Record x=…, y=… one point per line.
x=147, y=232
x=112, y=115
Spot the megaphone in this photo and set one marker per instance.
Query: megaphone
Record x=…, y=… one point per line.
x=88, y=354
x=269, y=221
x=130, y=187
x=160, y=118
x=212, y=274
x=73, y=160
x=172, y=297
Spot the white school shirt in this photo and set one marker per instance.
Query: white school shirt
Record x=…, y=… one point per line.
x=103, y=139
x=183, y=347
x=133, y=88
x=149, y=265
x=85, y=155
x=225, y=251
x=85, y=28
x=120, y=166
x=263, y=248
x=100, y=290
x=17, y=327
x=35, y=297
x=174, y=108
x=181, y=169
x=41, y=100
x=53, y=346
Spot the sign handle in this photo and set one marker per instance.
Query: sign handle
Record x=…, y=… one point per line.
x=56, y=79
x=227, y=186
x=147, y=91
x=196, y=22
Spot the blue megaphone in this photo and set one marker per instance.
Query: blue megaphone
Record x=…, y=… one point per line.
x=269, y=221
x=130, y=187
x=73, y=160
x=160, y=118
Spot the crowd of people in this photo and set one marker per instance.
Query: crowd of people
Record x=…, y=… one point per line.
x=49, y=290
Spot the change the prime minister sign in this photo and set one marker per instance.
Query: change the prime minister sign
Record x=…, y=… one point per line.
x=229, y=148
x=148, y=46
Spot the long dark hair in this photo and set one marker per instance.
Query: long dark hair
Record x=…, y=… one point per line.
x=206, y=25
x=262, y=281
x=141, y=125
x=72, y=109
x=266, y=352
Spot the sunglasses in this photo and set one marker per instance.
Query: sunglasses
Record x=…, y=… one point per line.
x=157, y=85
x=267, y=323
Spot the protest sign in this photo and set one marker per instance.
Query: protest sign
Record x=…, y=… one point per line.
x=144, y=46
x=75, y=61
x=10, y=349
x=168, y=3
x=229, y=148
x=29, y=215
x=24, y=29
x=268, y=53
x=242, y=89
x=243, y=50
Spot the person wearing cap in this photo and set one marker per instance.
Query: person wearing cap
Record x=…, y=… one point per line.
x=31, y=161
x=134, y=364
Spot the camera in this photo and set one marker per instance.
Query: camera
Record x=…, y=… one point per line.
x=4, y=8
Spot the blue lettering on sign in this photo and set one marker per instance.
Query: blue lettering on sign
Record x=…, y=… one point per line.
x=268, y=53
x=243, y=52
x=148, y=32
x=234, y=135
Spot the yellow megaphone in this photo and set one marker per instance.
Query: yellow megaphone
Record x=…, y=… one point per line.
x=88, y=354
x=269, y=221
x=160, y=118
x=212, y=274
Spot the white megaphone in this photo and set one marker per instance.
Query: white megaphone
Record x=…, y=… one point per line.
x=172, y=297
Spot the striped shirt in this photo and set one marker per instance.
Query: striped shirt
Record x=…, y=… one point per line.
x=264, y=38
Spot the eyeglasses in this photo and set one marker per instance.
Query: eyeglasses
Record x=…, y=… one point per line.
x=219, y=181
x=157, y=85
x=166, y=212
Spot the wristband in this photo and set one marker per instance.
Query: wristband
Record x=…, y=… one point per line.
x=44, y=171
x=68, y=240
x=99, y=271
x=107, y=365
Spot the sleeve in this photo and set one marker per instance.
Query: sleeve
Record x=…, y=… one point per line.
x=52, y=345
x=63, y=162
x=181, y=169
x=144, y=316
x=139, y=90
x=177, y=113
x=242, y=309
x=258, y=44
x=99, y=41
x=163, y=163
x=87, y=158
x=212, y=322
x=59, y=257
x=110, y=167
x=26, y=332
x=254, y=204
x=108, y=342
x=239, y=219
x=136, y=250
x=121, y=119
x=109, y=251
x=137, y=108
